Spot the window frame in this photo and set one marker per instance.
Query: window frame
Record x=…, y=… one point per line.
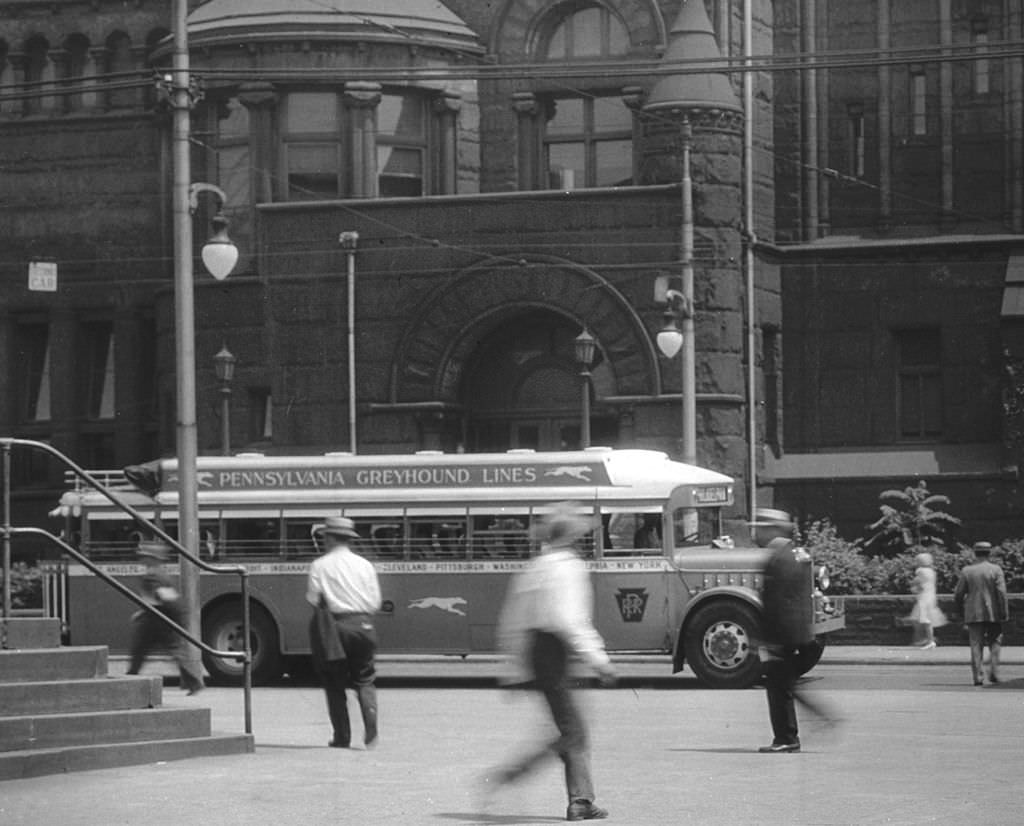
x=922, y=376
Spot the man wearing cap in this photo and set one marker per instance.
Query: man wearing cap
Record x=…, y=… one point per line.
x=787, y=627
x=148, y=631
x=980, y=596
x=347, y=585
x=546, y=619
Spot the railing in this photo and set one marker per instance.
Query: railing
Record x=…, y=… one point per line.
x=7, y=532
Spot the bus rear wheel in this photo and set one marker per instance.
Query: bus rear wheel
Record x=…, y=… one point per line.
x=719, y=645
x=222, y=629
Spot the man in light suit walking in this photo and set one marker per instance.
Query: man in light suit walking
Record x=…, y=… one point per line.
x=981, y=597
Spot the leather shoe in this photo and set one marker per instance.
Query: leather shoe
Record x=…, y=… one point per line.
x=779, y=748
x=338, y=744
x=585, y=810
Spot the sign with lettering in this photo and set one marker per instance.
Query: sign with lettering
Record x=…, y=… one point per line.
x=397, y=476
x=42, y=276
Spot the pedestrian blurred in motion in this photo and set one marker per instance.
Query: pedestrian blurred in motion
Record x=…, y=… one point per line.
x=981, y=598
x=926, y=615
x=786, y=628
x=148, y=631
x=545, y=621
x=344, y=590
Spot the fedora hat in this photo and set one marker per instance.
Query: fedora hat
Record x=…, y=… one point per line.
x=152, y=549
x=983, y=548
x=339, y=526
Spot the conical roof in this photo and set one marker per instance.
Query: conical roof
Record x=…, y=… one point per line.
x=692, y=38
x=419, y=22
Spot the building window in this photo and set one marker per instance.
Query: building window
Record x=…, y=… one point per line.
x=120, y=62
x=96, y=369
x=401, y=145
x=312, y=146
x=261, y=418
x=37, y=62
x=772, y=404
x=32, y=366
x=979, y=37
x=855, y=139
x=585, y=32
x=920, y=383
x=77, y=62
x=588, y=142
x=918, y=101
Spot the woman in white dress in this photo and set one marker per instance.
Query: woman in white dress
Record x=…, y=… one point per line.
x=926, y=615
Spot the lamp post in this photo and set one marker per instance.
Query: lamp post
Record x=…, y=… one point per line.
x=349, y=241
x=224, y=367
x=220, y=256
x=584, y=347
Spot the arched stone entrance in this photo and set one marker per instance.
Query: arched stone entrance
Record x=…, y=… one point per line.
x=495, y=342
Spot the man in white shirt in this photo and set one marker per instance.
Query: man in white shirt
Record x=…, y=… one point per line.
x=347, y=585
x=546, y=619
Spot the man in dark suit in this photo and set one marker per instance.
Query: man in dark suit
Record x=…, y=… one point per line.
x=786, y=626
x=981, y=597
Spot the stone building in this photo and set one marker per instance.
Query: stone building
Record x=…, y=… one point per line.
x=512, y=171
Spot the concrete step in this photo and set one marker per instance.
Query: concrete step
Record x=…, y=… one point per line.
x=65, y=696
x=46, y=731
x=40, y=664
x=39, y=762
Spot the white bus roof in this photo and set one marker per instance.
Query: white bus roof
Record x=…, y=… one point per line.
x=431, y=479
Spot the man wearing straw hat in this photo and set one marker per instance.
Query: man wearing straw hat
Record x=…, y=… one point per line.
x=148, y=631
x=981, y=597
x=346, y=585
x=546, y=619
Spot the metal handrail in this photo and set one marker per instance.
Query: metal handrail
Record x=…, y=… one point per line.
x=7, y=531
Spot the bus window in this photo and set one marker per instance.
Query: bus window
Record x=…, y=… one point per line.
x=500, y=537
x=436, y=539
x=298, y=537
x=111, y=539
x=252, y=537
x=386, y=540
x=696, y=526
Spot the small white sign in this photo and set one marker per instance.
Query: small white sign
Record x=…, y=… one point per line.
x=42, y=276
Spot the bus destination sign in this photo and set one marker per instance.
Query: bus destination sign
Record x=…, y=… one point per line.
x=397, y=476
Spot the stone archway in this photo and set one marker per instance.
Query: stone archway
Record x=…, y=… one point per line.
x=430, y=360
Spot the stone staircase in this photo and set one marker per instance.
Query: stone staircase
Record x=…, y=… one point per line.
x=60, y=711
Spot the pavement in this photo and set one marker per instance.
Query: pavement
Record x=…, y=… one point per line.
x=665, y=750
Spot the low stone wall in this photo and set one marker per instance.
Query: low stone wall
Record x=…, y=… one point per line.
x=883, y=621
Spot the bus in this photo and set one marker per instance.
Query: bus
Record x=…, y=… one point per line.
x=445, y=532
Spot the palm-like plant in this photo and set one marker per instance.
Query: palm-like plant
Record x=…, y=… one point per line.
x=915, y=519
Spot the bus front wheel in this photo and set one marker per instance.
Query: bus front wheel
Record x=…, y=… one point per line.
x=222, y=629
x=719, y=645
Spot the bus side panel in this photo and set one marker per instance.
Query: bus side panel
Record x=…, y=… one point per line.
x=439, y=611
x=97, y=613
x=636, y=603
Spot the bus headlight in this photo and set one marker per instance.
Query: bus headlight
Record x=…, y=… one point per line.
x=822, y=579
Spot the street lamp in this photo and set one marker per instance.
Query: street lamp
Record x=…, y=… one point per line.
x=183, y=207
x=672, y=338
x=224, y=367
x=584, y=347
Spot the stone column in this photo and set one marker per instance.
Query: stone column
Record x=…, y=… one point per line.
x=528, y=145
x=261, y=99
x=446, y=107
x=361, y=100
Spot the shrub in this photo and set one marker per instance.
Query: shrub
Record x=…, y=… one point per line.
x=916, y=518
x=26, y=585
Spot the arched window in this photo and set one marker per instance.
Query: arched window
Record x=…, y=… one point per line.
x=76, y=64
x=587, y=132
x=37, y=63
x=120, y=62
x=584, y=31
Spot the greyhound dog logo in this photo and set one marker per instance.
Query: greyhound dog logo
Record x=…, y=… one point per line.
x=204, y=478
x=580, y=472
x=449, y=604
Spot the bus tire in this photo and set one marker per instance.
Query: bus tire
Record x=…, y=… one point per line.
x=718, y=642
x=222, y=629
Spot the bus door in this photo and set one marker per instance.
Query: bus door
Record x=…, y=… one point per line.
x=633, y=588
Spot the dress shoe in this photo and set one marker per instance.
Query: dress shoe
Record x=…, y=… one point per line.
x=779, y=748
x=585, y=810
x=338, y=744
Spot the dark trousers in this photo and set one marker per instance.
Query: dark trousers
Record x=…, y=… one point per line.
x=356, y=671
x=980, y=634
x=782, y=670
x=149, y=633
x=550, y=661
